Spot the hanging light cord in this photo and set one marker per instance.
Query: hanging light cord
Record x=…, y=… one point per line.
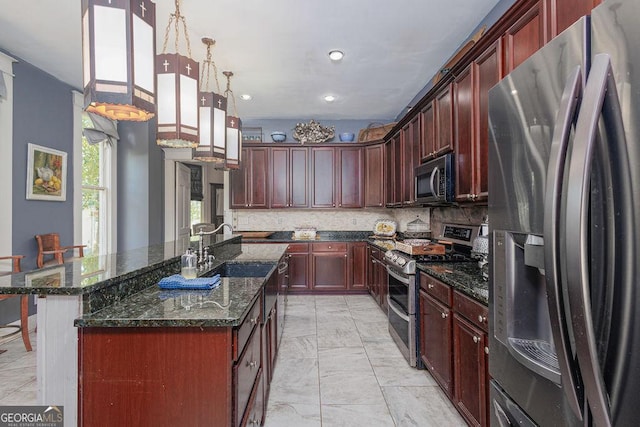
x=229, y=91
x=209, y=63
x=176, y=18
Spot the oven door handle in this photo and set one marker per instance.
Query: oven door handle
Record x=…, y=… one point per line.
x=399, y=312
x=396, y=276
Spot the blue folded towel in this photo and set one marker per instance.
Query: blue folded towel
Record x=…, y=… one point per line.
x=178, y=282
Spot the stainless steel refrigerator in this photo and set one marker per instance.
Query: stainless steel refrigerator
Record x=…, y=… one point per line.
x=564, y=210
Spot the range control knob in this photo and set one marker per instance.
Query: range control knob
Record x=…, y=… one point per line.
x=394, y=257
x=401, y=261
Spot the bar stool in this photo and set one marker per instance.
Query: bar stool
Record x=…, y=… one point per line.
x=24, y=304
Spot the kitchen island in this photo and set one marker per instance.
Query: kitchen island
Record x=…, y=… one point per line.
x=88, y=285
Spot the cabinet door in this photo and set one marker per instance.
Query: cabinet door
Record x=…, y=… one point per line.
x=299, y=177
x=444, y=121
x=563, y=13
x=470, y=395
x=358, y=265
x=383, y=280
x=398, y=170
x=374, y=176
x=464, y=170
x=239, y=184
x=323, y=172
x=373, y=276
x=258, y=162
x=298, y=255
x=329, y=271
x=435, y=340
x=487, y=67
x=280, y=177
x=349, y=177
x=411, y=135
x=427, y=142
x=390, y=172
x=525, y=37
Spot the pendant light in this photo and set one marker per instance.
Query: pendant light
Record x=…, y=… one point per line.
x=118, y=58
x=177, y=78
x=234, y=129
x=213, y=113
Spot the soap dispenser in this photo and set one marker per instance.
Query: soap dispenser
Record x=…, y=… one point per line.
x=189, y=264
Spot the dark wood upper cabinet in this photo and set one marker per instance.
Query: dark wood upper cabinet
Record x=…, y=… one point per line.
x=427, y=142
x=563, y=13
x=444, y=122
x=465, y=125
x=374, y=175
x=289, y=177
x=249, y=188
x=323, y=171
x=525, y=37
x=349, y=177
x=411, y=135
x=390, y=171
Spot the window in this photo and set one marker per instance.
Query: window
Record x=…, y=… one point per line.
x=196, y=212
x=96, y=170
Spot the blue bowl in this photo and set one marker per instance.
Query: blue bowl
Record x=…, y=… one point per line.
x=346, y=137
x=278, y=136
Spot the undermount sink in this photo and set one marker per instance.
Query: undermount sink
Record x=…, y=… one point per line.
x=245, y=269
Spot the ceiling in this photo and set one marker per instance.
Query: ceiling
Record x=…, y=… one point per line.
x=278, y=49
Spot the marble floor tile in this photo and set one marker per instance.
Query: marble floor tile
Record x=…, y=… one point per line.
x=348, y=387
x=280, y=414
x=421, y=407
x=356, y=415
x=391, y=372
x=350, y=359
x=19, y=397
x=381, y=347
x=298, y=347
x=295, y=381
x=372, y=329
x=332, y=338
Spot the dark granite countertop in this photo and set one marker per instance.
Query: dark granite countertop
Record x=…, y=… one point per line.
x=92, y=273
x=463, y=276
x=321, y=236
x=227, y=305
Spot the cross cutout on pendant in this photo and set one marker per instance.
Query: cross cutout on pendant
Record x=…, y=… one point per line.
x=219, y=103
x=166, y=65
x=188, y=67
x=203, y=99
x=144, y=9
x=232, y=123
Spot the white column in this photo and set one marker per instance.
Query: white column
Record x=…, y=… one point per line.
x=6, y=157
x=78, y=104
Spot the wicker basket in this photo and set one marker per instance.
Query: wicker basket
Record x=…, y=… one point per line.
x=374, y=131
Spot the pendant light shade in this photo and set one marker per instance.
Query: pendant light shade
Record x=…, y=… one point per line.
x=177, y=82
x=118, y=54
x=213, y=114
x=234, y=129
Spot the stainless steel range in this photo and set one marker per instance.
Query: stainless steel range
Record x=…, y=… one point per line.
x=403, y=289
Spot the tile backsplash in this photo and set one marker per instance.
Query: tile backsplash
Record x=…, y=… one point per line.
x=326, y=220
x=457, y=215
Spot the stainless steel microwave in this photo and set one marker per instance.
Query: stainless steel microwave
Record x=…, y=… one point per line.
x=434, y=181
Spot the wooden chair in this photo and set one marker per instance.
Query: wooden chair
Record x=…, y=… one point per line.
x=24, y=303
x=49, y=244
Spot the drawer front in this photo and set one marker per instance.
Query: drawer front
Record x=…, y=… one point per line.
x=243, y=332
x=298, y=248
x=475, y=312
x=329, y=247
x=254, y=413
x=436, y=289
x=245, y=373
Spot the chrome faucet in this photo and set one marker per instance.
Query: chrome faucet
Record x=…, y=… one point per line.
x=201, y=233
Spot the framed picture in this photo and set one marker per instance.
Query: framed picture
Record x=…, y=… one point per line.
x=47, y=278
x=46, y=174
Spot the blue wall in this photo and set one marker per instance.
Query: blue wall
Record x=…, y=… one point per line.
x=43, y=115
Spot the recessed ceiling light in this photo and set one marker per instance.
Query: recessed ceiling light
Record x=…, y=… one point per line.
x=245, y=97
x=329, y=98
x=336, y=55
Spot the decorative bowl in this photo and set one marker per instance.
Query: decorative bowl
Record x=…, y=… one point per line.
x=347, y=137
x=313, y=132
x=278, y=136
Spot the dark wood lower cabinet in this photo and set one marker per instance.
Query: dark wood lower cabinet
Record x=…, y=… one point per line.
x=298, y=258
x=329, y=266
x=377, y=277
x=435, y=341
x=358, y=266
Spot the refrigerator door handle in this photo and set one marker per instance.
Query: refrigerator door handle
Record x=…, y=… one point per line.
x=555, y=174
x=600, y=99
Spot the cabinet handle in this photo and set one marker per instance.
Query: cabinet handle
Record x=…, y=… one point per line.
x=252, y=364
x=254, y=320
x=476, y=339
x=482, y=318
x=445, y=315
x=339, y=204
x=345, y=255
x=430, y=286
x=486, y=350
x=253, y=422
